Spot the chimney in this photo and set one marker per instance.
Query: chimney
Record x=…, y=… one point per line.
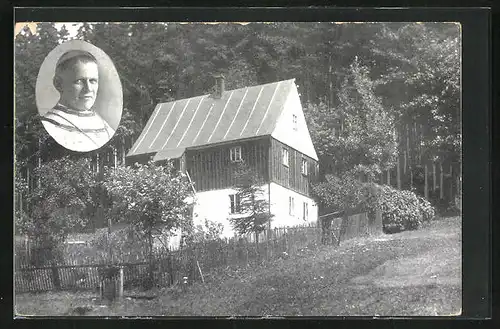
x=219, y=86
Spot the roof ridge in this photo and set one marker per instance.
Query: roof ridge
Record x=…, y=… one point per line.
x=258, y=116
x=228, y=90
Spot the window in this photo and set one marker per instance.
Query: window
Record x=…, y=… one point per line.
x=304, y=166
x=305, y=213
x=235, y=154
x=294, y=121
x=285, y=156
x=235, y=203
x=291, y=205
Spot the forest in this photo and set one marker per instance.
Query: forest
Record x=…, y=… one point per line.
x=382, y=100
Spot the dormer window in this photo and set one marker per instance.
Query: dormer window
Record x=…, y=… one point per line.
x=304, y=167
x=285, y=155
x=235, y=154
x=294, y=122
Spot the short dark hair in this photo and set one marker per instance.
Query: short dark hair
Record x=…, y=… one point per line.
x=69, y=59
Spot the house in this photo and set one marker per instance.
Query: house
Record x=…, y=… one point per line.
x=263, y=125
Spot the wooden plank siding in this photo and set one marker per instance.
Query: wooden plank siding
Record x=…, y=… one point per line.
x=210, y=168
x=291, y=177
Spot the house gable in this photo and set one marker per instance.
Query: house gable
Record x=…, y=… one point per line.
x=204, y=120
x=294, y=134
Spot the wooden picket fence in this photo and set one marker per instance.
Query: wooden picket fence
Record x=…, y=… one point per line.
x=195, y=262
x=171, y=267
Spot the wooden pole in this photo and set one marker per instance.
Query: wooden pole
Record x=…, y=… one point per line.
x=426, y=185
x=389, y=177
x=411, y=178
x=199, y=270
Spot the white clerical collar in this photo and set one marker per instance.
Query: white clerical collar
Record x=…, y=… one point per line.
x=66, y=109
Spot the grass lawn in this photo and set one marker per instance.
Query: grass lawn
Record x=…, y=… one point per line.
x=408, y=274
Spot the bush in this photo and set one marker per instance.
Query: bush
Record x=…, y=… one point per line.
x=202, y=233
x=125, y=246
x=426, y=209
x=400, y=209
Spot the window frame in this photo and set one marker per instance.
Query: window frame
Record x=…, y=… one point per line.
x=233, y=152
x=304, y=165
x=284, y=151
x=291, y=206
x=305, y=211
x=234, y=203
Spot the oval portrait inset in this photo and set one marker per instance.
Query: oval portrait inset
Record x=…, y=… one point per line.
x=79, y=96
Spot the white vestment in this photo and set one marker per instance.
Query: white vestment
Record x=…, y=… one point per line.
x=80, y=131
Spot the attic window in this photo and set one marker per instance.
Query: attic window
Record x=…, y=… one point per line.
x=294, y=122
x=235, y=154
x=304, y=166
x=285, y=156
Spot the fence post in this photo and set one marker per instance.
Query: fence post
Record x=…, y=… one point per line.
x=286, y=242
x=56, y=280
x=120, y=283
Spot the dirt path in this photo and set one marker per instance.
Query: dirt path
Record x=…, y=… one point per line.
x=412, y=273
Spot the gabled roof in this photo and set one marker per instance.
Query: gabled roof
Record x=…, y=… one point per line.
x=204, y=120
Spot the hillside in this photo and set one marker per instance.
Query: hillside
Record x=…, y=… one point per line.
x=410, y=273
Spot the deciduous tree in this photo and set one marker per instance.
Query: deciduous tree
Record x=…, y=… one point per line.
x=151, y=198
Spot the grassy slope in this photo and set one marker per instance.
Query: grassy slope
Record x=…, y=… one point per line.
x=411, y=273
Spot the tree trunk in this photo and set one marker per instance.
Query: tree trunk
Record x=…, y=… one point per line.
x=257, y=244
x=451, y=183
x=110, y=248
x=123, y=150
x=434, y=184
x=56, y=281
x=150, y=267
x=343, y=227
x=426, y=185
x=39, y=163
x=398, y=173
x=115, y=157
x=441, y=176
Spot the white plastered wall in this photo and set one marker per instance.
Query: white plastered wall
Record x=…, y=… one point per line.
x=280, y=207
x=215, y=206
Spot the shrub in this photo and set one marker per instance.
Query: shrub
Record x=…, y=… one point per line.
x=426, y=209
x=400, y=209
x=125, y=245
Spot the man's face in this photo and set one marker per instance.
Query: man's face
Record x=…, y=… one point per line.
x=79, y=84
